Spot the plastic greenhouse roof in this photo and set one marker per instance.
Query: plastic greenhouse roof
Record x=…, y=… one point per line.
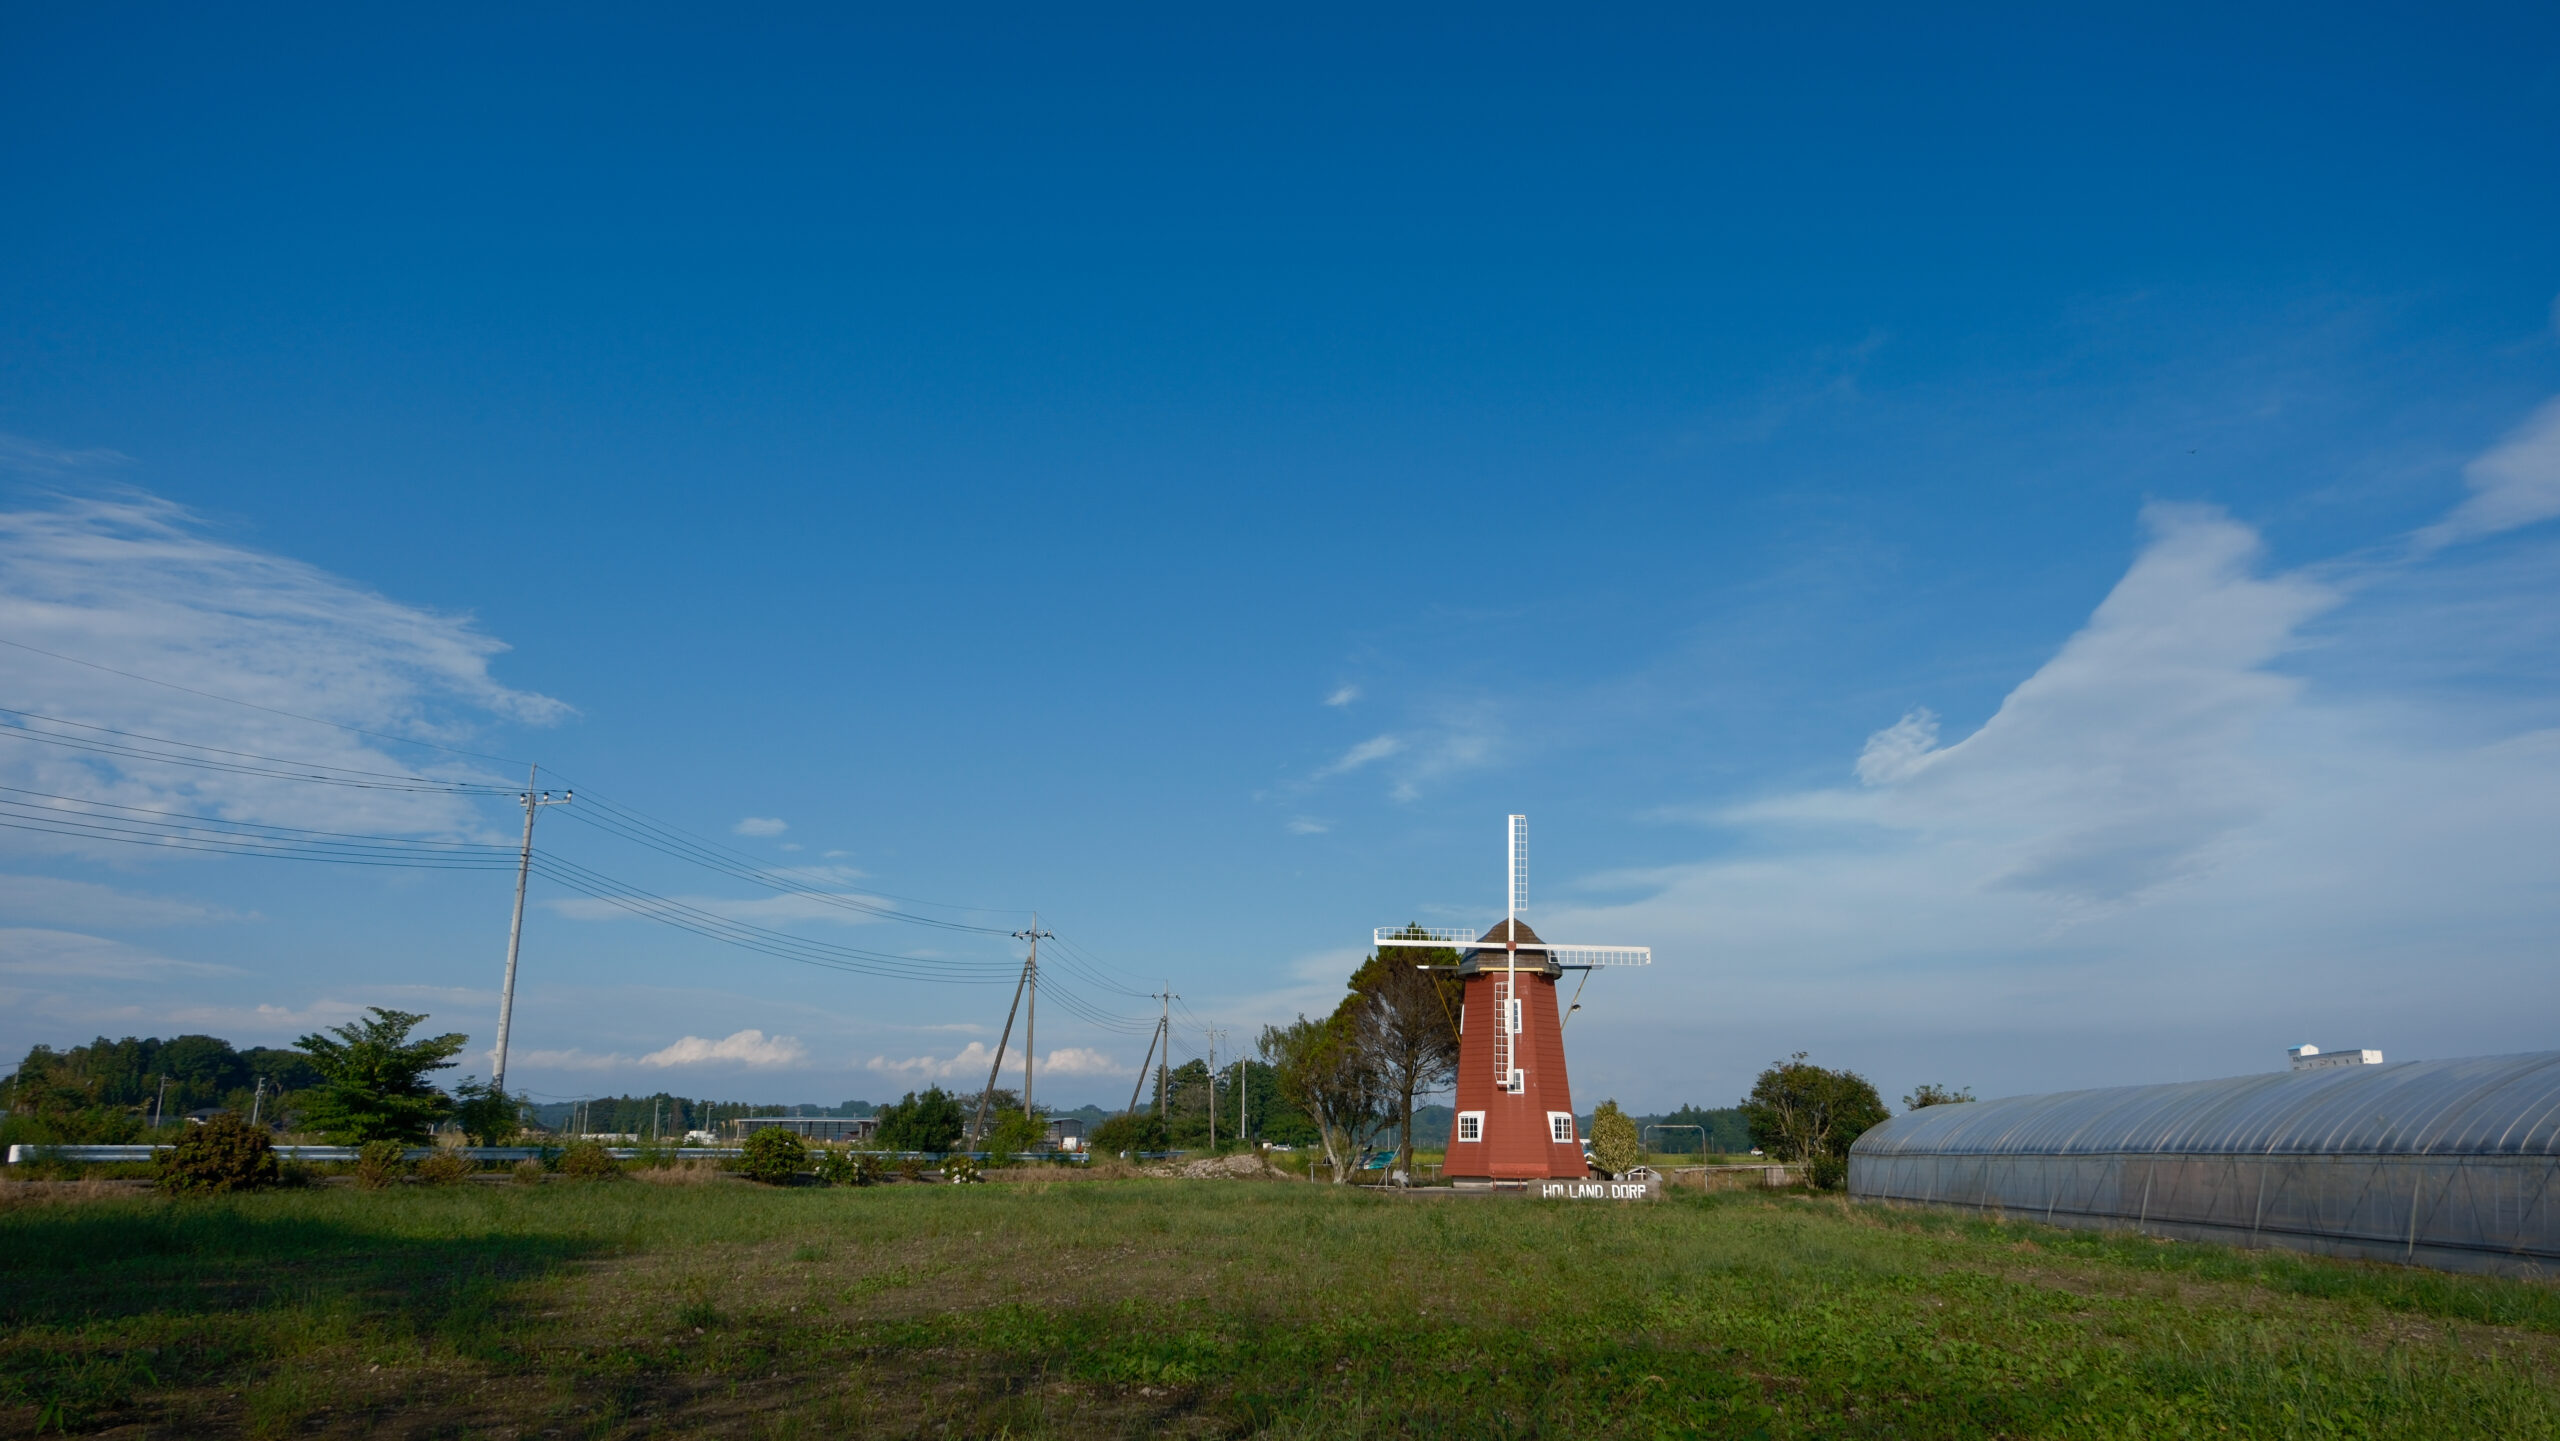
x=2483, y=1105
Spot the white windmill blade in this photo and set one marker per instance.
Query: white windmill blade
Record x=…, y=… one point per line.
x=1436, y=937
x=1519, y=864
x=1601, y=955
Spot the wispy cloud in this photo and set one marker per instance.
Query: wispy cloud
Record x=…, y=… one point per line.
x=134, y=583
x=1308, y=826
x=2515, y=484
x=70, y=955
x=53, y=901
x=760, y=826
x=1368, y=752
x=1343, y=695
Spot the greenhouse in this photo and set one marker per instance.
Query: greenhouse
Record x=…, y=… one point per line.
x=2453, y=1164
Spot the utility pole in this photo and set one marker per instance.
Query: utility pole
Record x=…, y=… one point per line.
x=1030, y=971
x=160, y=1107
x=1164, y=1059
x=1031, y=1014
x=1213, y=1033
x=531, y=801
x=258, y=1102
x=1241, y=1063
x=1145, y=1066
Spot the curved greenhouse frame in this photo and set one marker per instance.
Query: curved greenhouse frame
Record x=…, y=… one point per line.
x=2453, y=1164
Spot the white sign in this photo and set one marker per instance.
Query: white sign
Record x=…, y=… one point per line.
x=1645, y=1190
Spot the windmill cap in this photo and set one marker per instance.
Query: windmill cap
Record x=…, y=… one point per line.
x=1490, y=951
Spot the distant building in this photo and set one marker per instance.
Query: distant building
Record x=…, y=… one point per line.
x=1066, y=1133
x=2312, y=1058
x=810, y=1128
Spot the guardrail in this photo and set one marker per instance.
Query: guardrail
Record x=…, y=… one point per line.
x=21, y=1154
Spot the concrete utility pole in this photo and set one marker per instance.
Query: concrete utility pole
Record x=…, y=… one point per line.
x=160, y=1107
x=1029, y=978
x=258, y=1102
x=1214, y=1032
x=1031, y=1014
x=1164, y=1059
x=515, y=930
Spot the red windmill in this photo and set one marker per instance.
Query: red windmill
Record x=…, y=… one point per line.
x=1515, y=1106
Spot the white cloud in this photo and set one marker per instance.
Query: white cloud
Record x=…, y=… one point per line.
x=2169, y=851
x=2515, y=484
x=745, y=1048
x=137, y=584
x=1343, y=695
x=974, y=1058
x=760, y=826
x=1370, y=751
x=1308, y=826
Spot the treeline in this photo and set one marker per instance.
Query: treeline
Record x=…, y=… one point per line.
x=108, y=1090
x=668, y=1114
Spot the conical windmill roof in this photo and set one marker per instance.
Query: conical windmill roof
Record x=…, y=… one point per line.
x=1489, y=953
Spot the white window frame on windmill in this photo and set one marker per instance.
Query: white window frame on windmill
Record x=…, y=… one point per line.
x=1560, y=1127
x=1517, y=1082
x=1469, y=1122
x=1511, y=1015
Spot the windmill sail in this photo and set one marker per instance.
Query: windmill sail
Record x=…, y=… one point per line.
x=1519, y=864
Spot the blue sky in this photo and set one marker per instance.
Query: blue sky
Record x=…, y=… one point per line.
x=2013, y=552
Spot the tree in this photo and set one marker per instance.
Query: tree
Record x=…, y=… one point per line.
x=774, y=1155
x=927, y=1121
x=1404, y=1020
x=373, y=1079
x=1014, y=1133
x=1803, y=1113
x=1130, y=1133
x=1933, y=1094
x=487, y=1115
x=1325, y=1073
x=1616, y=1146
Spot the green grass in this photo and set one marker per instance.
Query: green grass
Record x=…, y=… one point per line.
x=1203, y=1308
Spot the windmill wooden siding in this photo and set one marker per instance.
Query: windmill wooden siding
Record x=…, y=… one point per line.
x=1517, y=1140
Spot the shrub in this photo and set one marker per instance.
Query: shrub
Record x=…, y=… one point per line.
x=841, y=1167
x=774, y=1156
x=1826, y=1172
x=588, y=1161
x=446, y=1168
x=226, y=1153
x=1616, y=1146
x=960, y=1170
x=911, y=1168
x=928, y=1121
x=1129, y=1135
x=528, y=1173
x=489, y=1116
x=380, y=1163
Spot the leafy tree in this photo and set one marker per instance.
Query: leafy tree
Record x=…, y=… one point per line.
x=1325, y=1073
x=487, y=1115
x=1130, y=1133
x=1014, y=1133
x=373, y=1079
x=1933, y=1094
x=928, y=1121
x=1404, y=1020
x=1184, y=1094
x=1616, y=1146
x=1804, y=1113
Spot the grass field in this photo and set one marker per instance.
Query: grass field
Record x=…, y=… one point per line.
x=1212, y=1308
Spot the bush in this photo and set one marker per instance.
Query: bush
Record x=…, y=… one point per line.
x=960, y=1170
x=1127, y=1134
x=588, y=1161
x=1826, y=1172
x=226, y=1153
x=528, y=1173
x=774, y=1156
x=911, y=1168
x=1616, y=1146
x=489, y=1116
x=447, y=1168
x=841, y=1167
x=380, y=1164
